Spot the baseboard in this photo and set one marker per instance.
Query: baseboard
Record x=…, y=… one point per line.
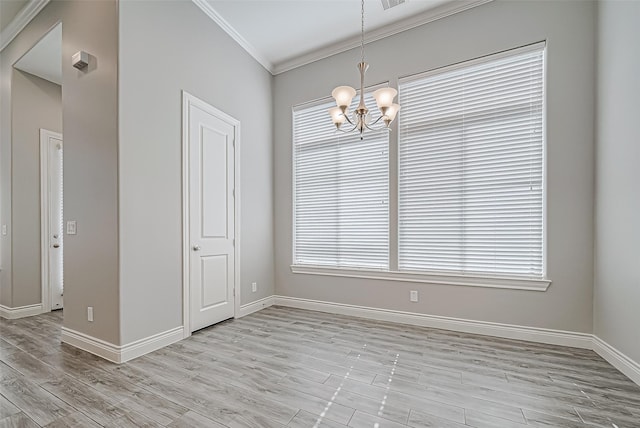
x=617, y=359
x=149, y=344
x=20, y=312
x=252, y=307
x=507, y=331
x=93, y=345
x=120, y=354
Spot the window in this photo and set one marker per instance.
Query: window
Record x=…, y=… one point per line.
x=467, y=204
x=341, y=193
x=471, y=167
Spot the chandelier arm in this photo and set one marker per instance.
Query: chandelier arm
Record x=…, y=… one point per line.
x=348, y=120
x=349, y=131
x=377, y=120
x=371, y=128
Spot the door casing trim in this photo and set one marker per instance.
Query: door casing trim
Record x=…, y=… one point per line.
x=189, y=100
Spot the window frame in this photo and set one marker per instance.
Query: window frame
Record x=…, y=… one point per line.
x=434, y=277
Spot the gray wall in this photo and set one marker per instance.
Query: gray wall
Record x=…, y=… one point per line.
x=617, y=283
x=37, y=103
x=90, y=164
x=569, y=28
x=154, y=67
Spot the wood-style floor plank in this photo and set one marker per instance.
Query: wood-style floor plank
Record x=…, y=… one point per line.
x=37, y=403
x=6, y=408
x=74, y=420
x=192, y=419
x=19, y=420
x=483, y=420
x=302, y=369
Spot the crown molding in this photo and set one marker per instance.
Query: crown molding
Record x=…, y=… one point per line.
x=427, y=16
x=431, y=15
x=26, y=14
x=251, y=50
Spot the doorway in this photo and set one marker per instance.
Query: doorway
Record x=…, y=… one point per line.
x=51, y=192
x=36, y=176
x=210, y=214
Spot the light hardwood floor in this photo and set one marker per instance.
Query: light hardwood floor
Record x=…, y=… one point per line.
x=287, y=367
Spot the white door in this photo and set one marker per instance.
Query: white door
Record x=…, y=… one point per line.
x=53, y=277
x=211, y=215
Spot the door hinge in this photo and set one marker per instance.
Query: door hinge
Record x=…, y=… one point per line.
x=233, y=192
x=234, y=291
x=233, y=242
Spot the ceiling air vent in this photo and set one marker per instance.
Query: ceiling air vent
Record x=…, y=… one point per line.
x=388, y=4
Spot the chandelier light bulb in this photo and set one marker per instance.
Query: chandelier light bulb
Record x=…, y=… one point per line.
x=337, y=116
x=343, y=96
x=391, y=112
x=384, y=97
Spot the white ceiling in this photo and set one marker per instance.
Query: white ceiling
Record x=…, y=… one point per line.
x=284, y=34
x=45, y=58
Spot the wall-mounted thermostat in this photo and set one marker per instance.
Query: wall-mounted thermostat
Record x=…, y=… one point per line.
x=80, y=60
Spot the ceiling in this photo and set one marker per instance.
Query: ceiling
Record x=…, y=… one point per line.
x=8, y=10
x=284, y=34
x=45, y=58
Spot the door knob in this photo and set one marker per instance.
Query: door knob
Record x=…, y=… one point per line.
x=196, y=248
x=56, y=245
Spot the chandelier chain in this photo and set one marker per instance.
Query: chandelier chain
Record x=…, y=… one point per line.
x=362, y=32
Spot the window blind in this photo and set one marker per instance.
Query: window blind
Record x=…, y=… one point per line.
x=471, y=153
x=341, y=185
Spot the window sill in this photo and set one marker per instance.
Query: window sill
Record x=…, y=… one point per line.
x=445, y=279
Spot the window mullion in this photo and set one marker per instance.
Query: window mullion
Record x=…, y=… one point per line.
x=394, y=170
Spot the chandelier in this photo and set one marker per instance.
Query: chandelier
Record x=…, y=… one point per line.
x=361, y=119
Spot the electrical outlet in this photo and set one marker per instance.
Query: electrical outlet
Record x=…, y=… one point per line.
x=90, y=313
x=413, y=295
x=254, y=287
x=71, y=227
x=4, y=229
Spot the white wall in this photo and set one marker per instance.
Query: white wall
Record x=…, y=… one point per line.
x=569, y=28
x=90, y=161
x=167, y=47
x=617, y=283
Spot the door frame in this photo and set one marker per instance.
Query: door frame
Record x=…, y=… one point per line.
x=189, y=100
x=45, y=215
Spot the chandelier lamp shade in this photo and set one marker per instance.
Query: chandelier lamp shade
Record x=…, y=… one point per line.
x=360, y=119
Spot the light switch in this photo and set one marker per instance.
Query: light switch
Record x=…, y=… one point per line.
x=71, y=227
x=4, y=229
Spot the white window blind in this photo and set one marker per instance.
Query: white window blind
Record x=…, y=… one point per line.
x=471, y=167
x=341, y=185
